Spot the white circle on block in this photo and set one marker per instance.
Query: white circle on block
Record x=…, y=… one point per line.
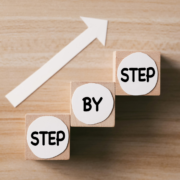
x=49, y=124
x=137, y=60
x=94, y=115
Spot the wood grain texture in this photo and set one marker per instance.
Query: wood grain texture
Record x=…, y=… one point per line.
x=29, y=155
x=145, y=143
x=108, y=122
x=118, y=56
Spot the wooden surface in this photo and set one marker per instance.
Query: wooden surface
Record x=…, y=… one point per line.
x=145, y=143
x=29, y=118
x=109, y=121
x=118, y=56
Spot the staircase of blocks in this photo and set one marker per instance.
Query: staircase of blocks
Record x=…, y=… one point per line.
x=135, y=73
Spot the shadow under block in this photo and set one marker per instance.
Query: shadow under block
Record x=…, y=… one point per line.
x=29, y=118
x=109, y=122
x=118, y=56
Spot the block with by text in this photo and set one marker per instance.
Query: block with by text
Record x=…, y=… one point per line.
x=92, y=104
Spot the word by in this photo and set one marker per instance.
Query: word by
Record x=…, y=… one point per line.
x=87, y=103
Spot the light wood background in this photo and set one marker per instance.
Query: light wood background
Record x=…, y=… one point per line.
x=145, y=144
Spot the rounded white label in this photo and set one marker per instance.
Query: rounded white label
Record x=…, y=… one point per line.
x=137, y=74
x=92, y=103
x=47, y=137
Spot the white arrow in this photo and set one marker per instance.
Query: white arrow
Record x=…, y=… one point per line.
x=97, y=28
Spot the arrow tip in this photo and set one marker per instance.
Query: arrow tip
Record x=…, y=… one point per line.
x=100, y=25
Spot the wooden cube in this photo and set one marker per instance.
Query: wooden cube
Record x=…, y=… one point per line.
x=29, y=118
x=109, y=122
x=118, y=56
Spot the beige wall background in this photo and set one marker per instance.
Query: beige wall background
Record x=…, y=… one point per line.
x=145, y=144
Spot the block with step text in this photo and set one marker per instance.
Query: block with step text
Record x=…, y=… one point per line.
x=92, y=104
x=47, y=136
x=137, y=72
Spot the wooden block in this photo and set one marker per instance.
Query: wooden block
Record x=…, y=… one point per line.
x=65, y=118
x=109, y=121
x=118, y=56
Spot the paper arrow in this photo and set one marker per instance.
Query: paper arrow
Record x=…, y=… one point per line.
x=97, y=28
